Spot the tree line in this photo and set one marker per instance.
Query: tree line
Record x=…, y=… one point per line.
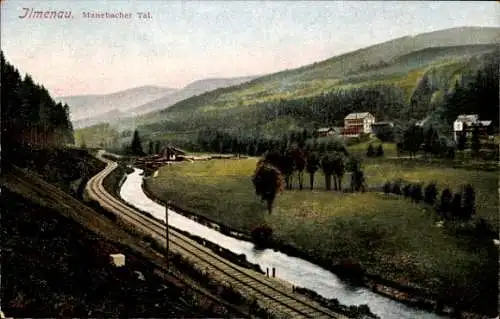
x=29, y=116
x=460, y=205
x=477, y=96
x=275, y=171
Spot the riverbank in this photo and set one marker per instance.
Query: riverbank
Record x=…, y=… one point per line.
x=241, y=259
x=391, y=262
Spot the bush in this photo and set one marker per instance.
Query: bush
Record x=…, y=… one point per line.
x=430, y=193
x=262, y=235
x=469, y=201
x=363, y=137
x=445, y=203
x=456, y=206
x=380, y=151
x=396, y=188
x=387, y=187
x=370, y=152
x=416, y=193
x=407, y=190
x=450, y=153
x=385, y=134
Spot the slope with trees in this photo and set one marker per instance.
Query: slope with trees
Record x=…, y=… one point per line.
x=30, y=117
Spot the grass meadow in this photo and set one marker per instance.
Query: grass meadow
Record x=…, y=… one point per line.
x=390, y=236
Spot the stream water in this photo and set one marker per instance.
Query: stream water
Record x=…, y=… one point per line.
x=294, y=270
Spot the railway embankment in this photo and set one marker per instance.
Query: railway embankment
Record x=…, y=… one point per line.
x=56, y=255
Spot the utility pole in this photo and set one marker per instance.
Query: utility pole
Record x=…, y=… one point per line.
x=166, y=230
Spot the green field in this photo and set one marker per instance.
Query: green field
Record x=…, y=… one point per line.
x=390, y=236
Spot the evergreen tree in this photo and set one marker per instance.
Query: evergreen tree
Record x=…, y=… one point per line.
x=475, y=140
x=430, y=193
x=469, y=201
x=151, y=148
x=462, y=140
x=445, y=203
x=136, y=145
x=456, y=206
x=157, y=147
x=29, y=116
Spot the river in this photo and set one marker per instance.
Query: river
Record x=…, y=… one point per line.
x=294, y=270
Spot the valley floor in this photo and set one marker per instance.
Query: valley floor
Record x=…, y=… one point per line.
x=388, y=236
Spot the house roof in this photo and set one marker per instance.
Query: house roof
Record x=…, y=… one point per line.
x=174, y=150
x=422, y=122
x=468, y=118
x=353, y=116
x=383, y=123
x=328, y=129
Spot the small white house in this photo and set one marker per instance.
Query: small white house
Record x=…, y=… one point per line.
x=328, y=131
x=463, y=122
x=361, y=122
x=117, y=260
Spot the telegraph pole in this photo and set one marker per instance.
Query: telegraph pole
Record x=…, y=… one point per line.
x=166, y=230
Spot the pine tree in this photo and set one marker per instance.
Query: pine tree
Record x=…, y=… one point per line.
x=136, y=145
x=469, y=201
x=151, y=148
x=461, y=141
x=157, y=147
x=475, y=140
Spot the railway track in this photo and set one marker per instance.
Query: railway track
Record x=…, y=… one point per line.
x=276, y=296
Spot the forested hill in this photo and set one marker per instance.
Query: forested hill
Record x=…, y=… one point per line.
x=30, y=118
x=402, y=79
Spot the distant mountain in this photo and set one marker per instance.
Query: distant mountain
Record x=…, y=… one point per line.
x=86, y=107
x=195, y=88
x=88, y=110
x=111, y=116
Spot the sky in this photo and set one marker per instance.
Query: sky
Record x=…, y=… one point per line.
x=185, y=41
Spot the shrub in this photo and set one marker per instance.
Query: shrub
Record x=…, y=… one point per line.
x=363, y=137
x=396, y=188
x=469, y=201
x=358, y=181
x=385, y=134
x=261, y=235
x=370, y=152
x=450, y=153
x=456, y=206
x=445, y=202
x=380, y=151
x=387, y=187
x=416, y=193
x=483, y=229
x=407, y=190
x=430, y=193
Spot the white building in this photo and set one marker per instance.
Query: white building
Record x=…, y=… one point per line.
x=359, y=123
x=465, y=122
